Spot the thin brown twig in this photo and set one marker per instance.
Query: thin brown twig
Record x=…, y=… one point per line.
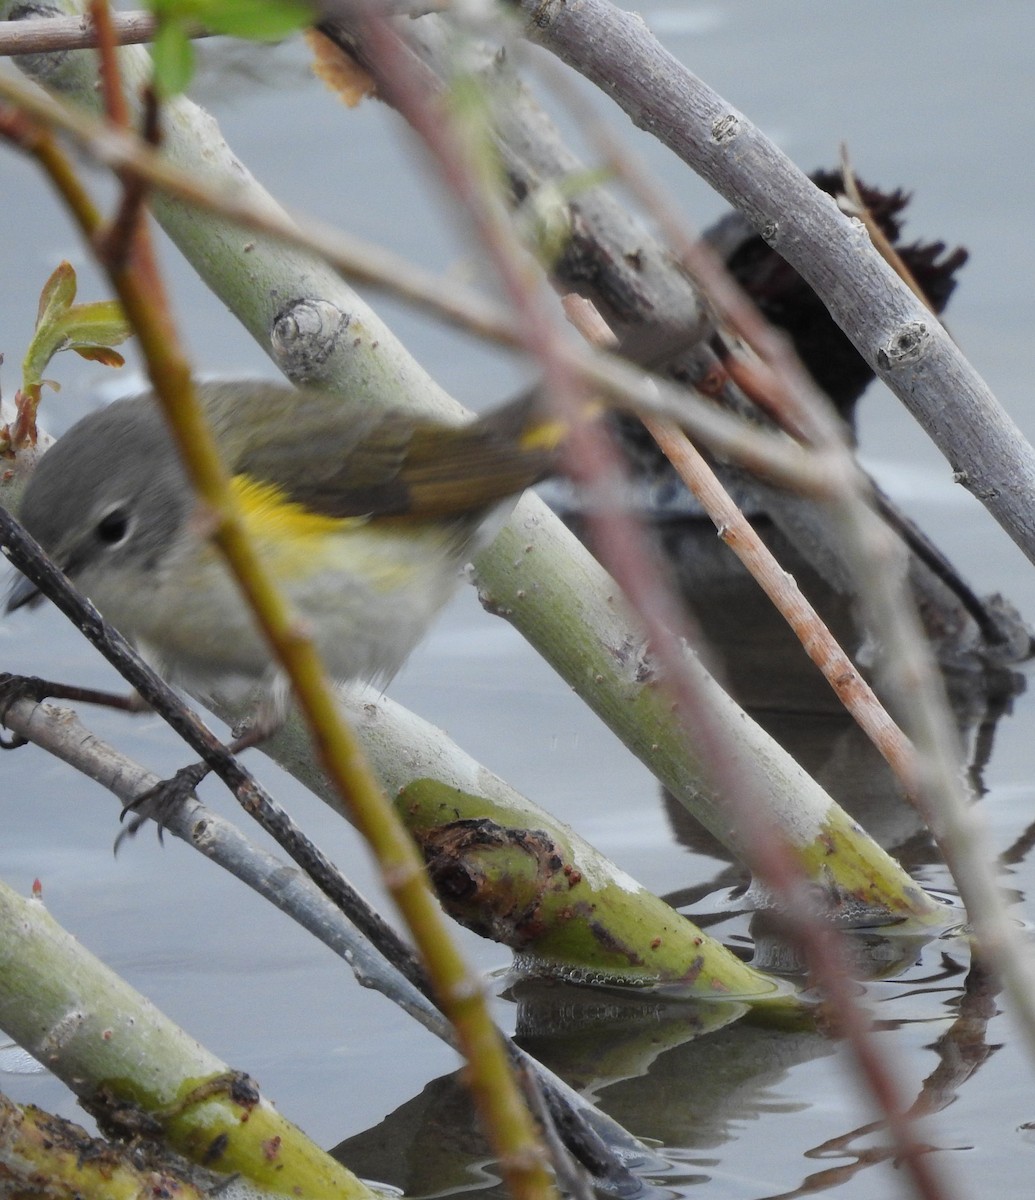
x=125, y=247
x=822, y=647
x=769, y=858
x=857, y=207
x=108, y=68
x=735, y=530
x=114, y=244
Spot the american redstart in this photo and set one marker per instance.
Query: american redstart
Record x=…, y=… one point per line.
x=364, y=519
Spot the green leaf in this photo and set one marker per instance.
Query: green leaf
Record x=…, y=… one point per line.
x=57, y=294
x=257, y=20
x=99, y=324
x=173, y=56
x=46, y=342
x=100, y=354
x=88, y=329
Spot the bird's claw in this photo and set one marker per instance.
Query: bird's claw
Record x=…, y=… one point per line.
x=18, y=687
x=160, y=802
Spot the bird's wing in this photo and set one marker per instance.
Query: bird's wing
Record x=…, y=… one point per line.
x=388, y=464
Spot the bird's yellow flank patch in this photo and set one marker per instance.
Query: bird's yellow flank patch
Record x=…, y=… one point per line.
x=544, y=435
x=291, y=536
x=297, y=543
x=271, y=515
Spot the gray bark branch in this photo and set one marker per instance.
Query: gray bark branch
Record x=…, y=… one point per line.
x=897, y=336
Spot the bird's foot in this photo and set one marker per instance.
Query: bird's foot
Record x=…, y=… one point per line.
x=31, y=687
x=12, y=689
x=161, y=802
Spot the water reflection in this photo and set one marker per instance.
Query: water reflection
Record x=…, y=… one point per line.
x=962, y=1050
x=694, y=1081
x=762, y=664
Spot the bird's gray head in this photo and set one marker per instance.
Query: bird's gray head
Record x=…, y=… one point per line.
x=105, y=500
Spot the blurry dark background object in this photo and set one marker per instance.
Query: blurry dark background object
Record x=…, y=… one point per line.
x=790, y=304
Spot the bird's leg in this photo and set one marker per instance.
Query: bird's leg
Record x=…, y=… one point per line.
x=164, y=798
x=30, y=687
x=160, y=801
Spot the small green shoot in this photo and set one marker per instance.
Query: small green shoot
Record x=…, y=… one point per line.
x=91, y=330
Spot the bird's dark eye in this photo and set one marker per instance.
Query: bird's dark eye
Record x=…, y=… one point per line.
x=113, y=527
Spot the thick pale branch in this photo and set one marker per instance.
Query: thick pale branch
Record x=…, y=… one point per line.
x=892, y=330
x=44, y=36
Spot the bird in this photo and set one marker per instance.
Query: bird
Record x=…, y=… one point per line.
x=363, y=516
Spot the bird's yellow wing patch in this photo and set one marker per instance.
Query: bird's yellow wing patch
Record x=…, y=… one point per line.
x=271, y=515
x=298, y=543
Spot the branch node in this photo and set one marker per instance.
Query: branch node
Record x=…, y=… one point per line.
x=725, y=128
x=304, y=335
x=907, y=345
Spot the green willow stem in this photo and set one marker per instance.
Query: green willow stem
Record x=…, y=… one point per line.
x=120, y=1055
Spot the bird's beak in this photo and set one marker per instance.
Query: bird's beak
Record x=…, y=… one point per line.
x=24, y=592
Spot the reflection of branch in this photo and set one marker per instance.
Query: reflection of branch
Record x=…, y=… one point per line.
x=1020, y=847
x=961, y=1051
